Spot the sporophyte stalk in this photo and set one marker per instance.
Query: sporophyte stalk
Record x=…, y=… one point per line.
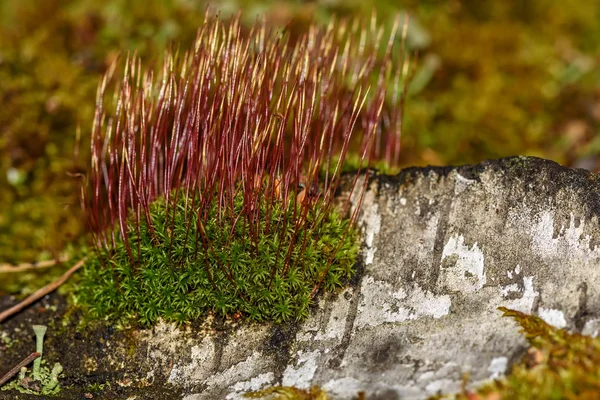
x=213, y=179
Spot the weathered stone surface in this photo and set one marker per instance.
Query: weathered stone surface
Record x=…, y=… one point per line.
x=443, y=248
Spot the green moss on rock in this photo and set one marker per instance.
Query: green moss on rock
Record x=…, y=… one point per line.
x=180, y=278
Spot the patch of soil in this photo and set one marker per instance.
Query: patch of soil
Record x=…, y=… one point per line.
x=86, y=354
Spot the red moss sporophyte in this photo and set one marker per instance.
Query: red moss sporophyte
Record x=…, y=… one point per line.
x=212, y=179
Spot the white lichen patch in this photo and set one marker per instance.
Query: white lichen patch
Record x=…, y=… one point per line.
x=442, y=379
x=516, y=272
x=591, y=327
x=543, y=231
x=240, y=372
x=344, y=387
x=256, y=383
x=371, y=227
x=369, y=219
x=306, y=335
x=498, y=367
x=372, y=224
x=336, y=324
x=505, y=291
x=553, y=317
x=164, y=340
x=303, y=373
x=199, y=366
x=382, y=303
x=524, y=303
x=461, y=183
x=570, y=241
x=462, y=267
x=442, y=386
x=309, y=328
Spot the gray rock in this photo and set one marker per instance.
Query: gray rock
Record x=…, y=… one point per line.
x=443, y=248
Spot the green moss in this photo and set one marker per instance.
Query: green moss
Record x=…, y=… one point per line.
x=96, y=388
x=5, y=341
x=559, y=365
x=180, y=279
x=353, y=162
x=289, y=393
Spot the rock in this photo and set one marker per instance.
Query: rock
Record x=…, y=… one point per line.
x=443, y=248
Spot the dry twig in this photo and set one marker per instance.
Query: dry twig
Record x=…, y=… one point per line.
x=28, y=266
x=18, y=367
x=41, y=292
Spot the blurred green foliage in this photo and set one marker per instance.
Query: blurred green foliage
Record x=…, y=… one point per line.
x=493, y=79
x=513, y=78
x=52, y=54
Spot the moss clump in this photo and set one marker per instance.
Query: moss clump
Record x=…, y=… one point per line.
x=179, y=277
x=211, y=180
x=559, y=365
x=289, y=393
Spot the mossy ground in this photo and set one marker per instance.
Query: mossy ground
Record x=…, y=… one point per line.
x=179, y=279
x=289, y=393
